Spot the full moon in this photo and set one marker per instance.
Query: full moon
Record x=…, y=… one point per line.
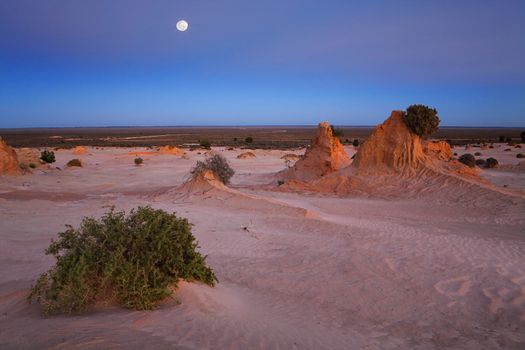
x=182, y=25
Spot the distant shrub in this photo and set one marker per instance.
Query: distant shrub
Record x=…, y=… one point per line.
x=477, y=154
x=522, y=135
x=132, y=259
x=280, y=182
x=32, y=165
x=355, y=143
x=507, y=150
x=47, y=156
x=520, y=155
x=337, y=132
x=249, y=139
x=502, y=138
x=138, y=161
x=468, y=159
x=492, y=162
x=235, y=139
x=481, y=162
x=74, y=162
x=23, y=166
x=508, y=139
x=218, y=165
x=422, y=120
x=517, y=146
x=205, y=144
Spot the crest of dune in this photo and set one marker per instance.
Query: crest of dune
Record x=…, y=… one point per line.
x=325, y=155
x=8, y=160
x=173, y=150
x=79, y=150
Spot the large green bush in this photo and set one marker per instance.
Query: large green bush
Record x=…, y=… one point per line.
x=422, y=120
x=218, y=165
x=132, y=259
x=47, y=156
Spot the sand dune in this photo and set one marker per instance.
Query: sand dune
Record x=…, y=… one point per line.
x=442, y=267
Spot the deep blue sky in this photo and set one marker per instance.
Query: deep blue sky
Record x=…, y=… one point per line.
x=107, y=63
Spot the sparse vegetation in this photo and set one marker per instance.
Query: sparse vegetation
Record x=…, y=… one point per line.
x=422, y=120
x=249, y=139
x=522, y=135
x=355, y=143
x=205, y=144
x=132, y=259
x=492, y=162
x=502, y=138
x=337, y=132
x=481, y=163
x=477, y=154
x=468, y=159
x=138, y=161
x=280, y=182
x=218, y=165
x=74, y=162
x=32, y=165
x=47, y=156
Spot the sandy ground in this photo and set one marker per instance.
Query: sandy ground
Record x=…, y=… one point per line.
x=296, y=271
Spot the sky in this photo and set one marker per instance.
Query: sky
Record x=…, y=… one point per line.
x=70, y=63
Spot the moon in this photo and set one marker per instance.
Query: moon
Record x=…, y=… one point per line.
x=182, y=25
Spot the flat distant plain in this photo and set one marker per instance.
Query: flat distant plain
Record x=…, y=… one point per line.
x=266, y=137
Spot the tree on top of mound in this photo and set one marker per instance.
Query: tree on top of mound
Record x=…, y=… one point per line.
x=422, y=120
x=218, y=165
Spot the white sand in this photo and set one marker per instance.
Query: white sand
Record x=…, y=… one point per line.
x=300, y=271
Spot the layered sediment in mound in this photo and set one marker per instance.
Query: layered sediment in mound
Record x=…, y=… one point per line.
x=246, y=155
x=173, y=150
x=28, y=157
x=394, y=162
x=79, y=150
x=8, y=160
x=325, y=155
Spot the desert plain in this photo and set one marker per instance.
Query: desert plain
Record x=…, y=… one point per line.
x=436, y=268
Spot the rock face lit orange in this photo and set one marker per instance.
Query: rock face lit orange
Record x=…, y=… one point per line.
x=325, y=155
x=8, y=160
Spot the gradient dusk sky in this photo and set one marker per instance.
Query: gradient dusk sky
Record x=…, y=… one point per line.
x=247, y=62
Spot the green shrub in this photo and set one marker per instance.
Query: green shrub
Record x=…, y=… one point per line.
x=481, y=163
x=138, y=161
x=218, y=165
x=74, y=162
x=468, y=159
x=355, y=143
x=492, y=162
x=47, y=156
x=32, y=165
x=205, y=144
x=249, y=139
x=132, y=259
x=422, y=120
x=337, y=132
x=520, y=155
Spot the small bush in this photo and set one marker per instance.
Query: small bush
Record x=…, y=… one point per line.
x=47, y=156
x=74, y=162
x=249, y=139
x=522, y=135
x=502, y=138
x=23, y=166
x=507, y=150
x=492, y=162
x=218, y=165
x=337, y=132
x=32, y=165
x=131, y=259
x=138, y=161
x=235, y=139
x=355, y=143
x=520, y=155
x=481, y=162
x=205, y=144
x=280, y=182
x=468, y=159
x=422, y=120
x=477, y=154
